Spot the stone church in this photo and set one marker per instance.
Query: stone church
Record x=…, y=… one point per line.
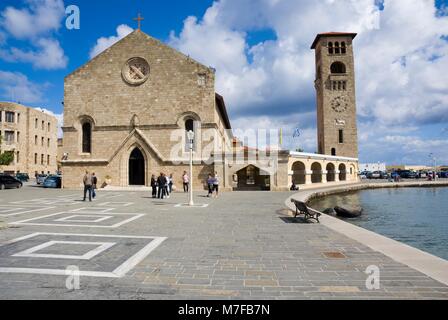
x=127, y=111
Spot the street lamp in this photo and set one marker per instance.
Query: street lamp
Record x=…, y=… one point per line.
x=190, y=136
x=431, y=155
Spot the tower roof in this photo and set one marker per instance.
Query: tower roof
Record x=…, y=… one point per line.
x=332, y=34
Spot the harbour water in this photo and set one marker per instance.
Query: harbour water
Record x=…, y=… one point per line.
x=415, y=216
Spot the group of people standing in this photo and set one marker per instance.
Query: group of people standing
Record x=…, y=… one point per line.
x=162, y=186
x=90, y=182
x=213, y=185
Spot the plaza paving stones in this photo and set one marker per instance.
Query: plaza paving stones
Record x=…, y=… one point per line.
x=238, y=247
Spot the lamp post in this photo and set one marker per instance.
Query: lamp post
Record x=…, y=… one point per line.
x=431, y=155
x=190, y=136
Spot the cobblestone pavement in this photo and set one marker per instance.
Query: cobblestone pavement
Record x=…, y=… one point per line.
x=242, y=246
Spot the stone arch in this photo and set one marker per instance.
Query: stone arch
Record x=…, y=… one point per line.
x=342, y=172
x=136, y=168
x=125, y=163
x=316, y=176
x=252, y=177
x=338, y=68
x=353, y=173
x=186, y=121
x=187, y=115
x=331, y=172
x=298, y=173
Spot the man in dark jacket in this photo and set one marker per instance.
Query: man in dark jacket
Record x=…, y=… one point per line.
x=94, y=183
x=161, y=182
x=154, y=186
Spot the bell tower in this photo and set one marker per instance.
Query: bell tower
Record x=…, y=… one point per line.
x=336, y=99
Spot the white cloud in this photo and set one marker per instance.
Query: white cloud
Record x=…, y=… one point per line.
x=16, y=87
x=401, y=59
x=49, y=55
x=40, y=17
x=35, y=23
x=105, y=42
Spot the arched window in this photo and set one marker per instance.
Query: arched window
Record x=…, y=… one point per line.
x=87, y=137
x=338, y=67
x=330, y=48
x=343, y=48
x=189, y=126
x=337, y=50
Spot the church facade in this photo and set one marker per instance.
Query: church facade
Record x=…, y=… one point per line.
x=127, y=112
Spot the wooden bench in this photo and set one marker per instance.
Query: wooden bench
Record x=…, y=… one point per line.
x=301, y=208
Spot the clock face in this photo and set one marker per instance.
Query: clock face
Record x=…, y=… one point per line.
x=340, y=104
x=136, y=71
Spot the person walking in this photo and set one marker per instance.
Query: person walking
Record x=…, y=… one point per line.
x=154, y=186
x=171, y=183
x=210, y=182
x=167, y=186
x=186, y=181
x=87, y=180
x=216, y=184
x=94, y=185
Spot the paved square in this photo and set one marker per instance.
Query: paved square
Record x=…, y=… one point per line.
x=239, y=246
x=48, y=201
x=99, y=247
x=12, y=210
x=115, y=204
x=92, y=210
x=64, y=219
x=84, y=218
x=110, y=257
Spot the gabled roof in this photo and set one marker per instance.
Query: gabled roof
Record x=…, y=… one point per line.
x=139, y=35
x=332, y=34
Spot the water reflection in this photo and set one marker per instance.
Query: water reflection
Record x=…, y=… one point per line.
x=416, y=216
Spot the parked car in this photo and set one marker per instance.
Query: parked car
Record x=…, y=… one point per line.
x=24, y=177
x=422, y=175
x=408, y=174
x=395, y=174
x=54, y=182
x=41, y=178
x=378, y=175
x=443, y=174
x=363, y=175
x=8, y=182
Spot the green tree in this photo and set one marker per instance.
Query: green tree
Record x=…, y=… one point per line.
x=6, y=157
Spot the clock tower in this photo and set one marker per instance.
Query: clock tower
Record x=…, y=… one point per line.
x=336, y=99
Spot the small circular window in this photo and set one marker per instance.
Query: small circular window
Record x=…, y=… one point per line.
x=136, y=71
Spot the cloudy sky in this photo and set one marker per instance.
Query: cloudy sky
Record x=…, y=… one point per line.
x=265, y=68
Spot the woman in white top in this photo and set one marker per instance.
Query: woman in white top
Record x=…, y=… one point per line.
x=216, y=184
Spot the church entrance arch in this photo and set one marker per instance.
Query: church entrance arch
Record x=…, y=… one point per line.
x=137, y=168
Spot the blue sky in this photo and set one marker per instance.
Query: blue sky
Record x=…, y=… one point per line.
x=265, y=68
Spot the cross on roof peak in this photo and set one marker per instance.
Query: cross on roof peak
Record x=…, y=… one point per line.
x=139, y=19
